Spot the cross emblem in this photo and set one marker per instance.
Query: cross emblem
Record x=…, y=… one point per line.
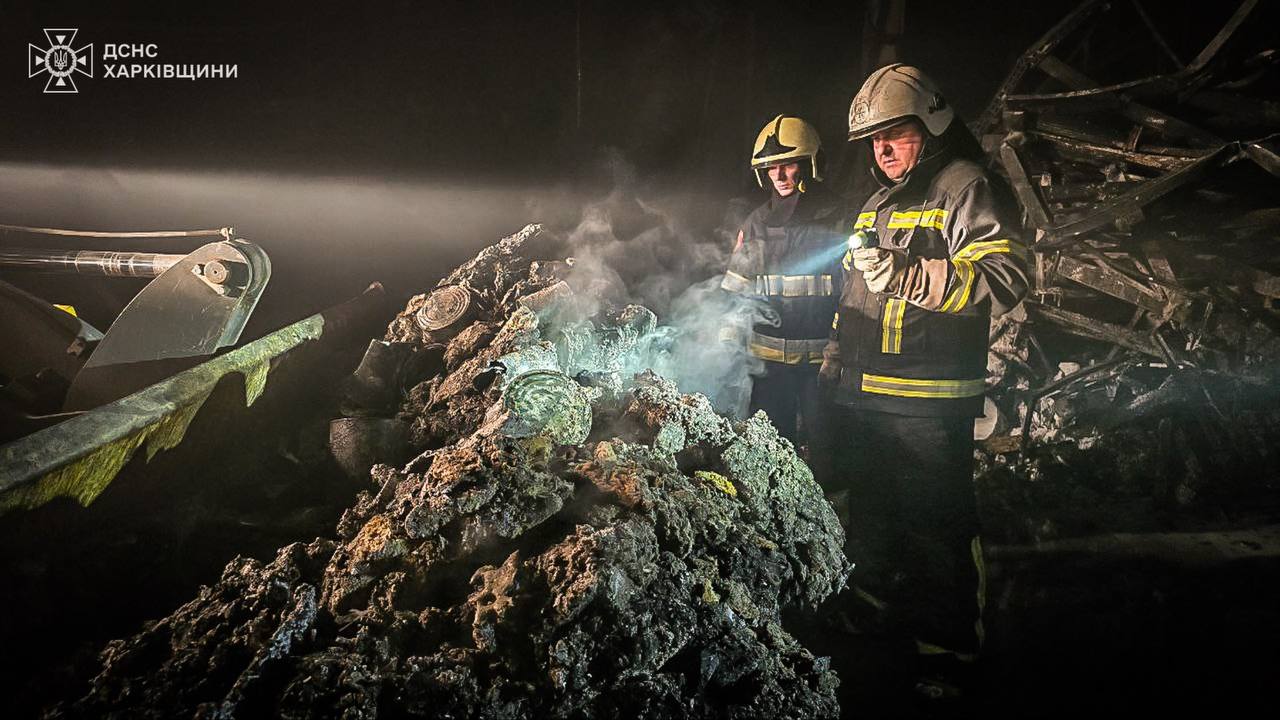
x=60, y=60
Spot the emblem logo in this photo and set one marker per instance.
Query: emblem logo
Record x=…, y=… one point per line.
x=60, y=60
x=861, y=109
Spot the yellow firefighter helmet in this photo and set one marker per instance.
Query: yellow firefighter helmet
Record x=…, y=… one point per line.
x=783, y=140
x=894, y=93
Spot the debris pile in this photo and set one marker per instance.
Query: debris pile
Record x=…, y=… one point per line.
x=572, y=539
x=1142, y=370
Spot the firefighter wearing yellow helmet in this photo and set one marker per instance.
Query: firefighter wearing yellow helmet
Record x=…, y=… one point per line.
x=787, y=254
x=906, y=361
x=785, y=140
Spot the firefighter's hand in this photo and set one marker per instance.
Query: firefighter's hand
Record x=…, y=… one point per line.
x=881, y=268
x=829, y=373
x=729, y=335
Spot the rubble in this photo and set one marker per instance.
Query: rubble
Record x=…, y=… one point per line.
x=572, y=539
x=1143, y=368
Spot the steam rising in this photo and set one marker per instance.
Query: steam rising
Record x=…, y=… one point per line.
x=633, y=250
x=329, y=236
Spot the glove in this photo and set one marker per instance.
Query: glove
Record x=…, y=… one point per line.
x=729, y=335
x=829, y=373
x=883, y=269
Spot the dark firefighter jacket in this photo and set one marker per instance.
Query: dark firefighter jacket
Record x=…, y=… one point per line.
x=924, y=351
x=789, y=252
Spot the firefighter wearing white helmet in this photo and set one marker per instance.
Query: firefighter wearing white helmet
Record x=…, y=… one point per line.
x=894, y=93
x=907, y=355
x=788, y=255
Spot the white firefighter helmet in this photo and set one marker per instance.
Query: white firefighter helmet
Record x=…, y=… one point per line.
x=894, y=93
x=785, y=139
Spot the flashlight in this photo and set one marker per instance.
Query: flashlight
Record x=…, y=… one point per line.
x=866, y=238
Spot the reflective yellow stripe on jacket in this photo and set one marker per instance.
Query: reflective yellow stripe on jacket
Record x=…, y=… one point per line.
x=964, y=272
x=891, y=326
x=931, y=218
x=919, y=388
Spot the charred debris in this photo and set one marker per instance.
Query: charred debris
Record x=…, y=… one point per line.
x=1135, y=389
x=566, y=539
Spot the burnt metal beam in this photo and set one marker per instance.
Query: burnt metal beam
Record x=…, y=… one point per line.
x=1085, y=326
x=1206, y=55
x=1032, y=57
x=1110, y=282
x=1161, y=122
x=1036, y=396
x=1027, y=195
x=1265, y=157
x=1093, y=152
x=1132, y=202
x=1156, y=34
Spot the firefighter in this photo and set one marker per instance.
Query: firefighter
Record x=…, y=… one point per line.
x=788, y=254
x=906, y=361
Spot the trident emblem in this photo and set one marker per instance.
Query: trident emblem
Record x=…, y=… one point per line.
x=60, y=60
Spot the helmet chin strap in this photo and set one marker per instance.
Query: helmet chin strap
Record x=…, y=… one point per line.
x=931, y=146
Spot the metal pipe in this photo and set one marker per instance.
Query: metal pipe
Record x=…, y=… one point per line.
x=101, y=263
x=225, y=232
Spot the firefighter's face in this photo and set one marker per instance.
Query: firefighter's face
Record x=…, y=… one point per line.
x=785, y=178
x=897, y=148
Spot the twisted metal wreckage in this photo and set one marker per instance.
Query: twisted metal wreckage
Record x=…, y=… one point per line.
x=1143, y=367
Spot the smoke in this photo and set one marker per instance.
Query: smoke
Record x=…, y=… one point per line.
x=637, y=247
x=329, y=236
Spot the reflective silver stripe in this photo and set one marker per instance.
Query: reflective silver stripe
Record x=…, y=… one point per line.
x=733, y=282
x=729, y=334
x=900, y=220
x=794, y=285
x=791, y=352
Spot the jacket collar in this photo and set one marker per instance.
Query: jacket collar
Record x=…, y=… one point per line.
x=799, y=207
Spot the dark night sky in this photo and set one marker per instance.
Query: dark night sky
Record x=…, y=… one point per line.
x=390, y=140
